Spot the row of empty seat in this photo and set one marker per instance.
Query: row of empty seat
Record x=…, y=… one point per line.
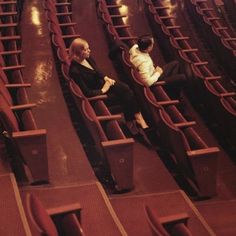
x=17, y=121
x=216, y=32
x=230, y=7
x=207, y=85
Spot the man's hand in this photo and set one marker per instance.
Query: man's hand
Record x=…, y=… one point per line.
x=109, y=80
x=159, y=70
x=106, y=87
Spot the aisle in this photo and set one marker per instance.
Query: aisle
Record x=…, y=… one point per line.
x=67, y=160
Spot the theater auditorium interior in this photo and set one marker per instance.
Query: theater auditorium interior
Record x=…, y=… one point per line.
x=70, y=165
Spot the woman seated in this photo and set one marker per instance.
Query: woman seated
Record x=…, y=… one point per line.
x=84, y=71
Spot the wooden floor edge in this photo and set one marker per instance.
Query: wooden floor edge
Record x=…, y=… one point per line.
x=111, y=210
x=20, y=205
x=200, y=217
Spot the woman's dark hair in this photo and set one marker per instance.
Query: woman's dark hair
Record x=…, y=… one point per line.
x=145, y=41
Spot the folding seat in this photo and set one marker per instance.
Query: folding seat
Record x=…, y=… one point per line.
x=10, y=42
x=52, y=5
x=10, y=67
x=55, y=29
x=168, y=225
x=15, y=77
x=63, y=56
x=8, y=22
x=63, y=15
x=60, y=47
x=199, y=164
x=63, y=220
x=14, y=93
x=4, y=52
x=66, y=28
x=103, y=6
x=108, y=137
x=23, y=133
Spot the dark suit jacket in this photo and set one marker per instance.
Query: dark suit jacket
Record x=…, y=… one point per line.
x=90, y=81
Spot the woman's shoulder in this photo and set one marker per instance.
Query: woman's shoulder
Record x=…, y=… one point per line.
x=74, y=68
x=74, y=65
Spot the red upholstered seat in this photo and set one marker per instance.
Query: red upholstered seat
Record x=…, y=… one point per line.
x=174, y=225
x=42, y=219
x=62, y=220
x=155, y=225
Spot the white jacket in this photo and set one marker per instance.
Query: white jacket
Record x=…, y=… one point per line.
x=144, y=64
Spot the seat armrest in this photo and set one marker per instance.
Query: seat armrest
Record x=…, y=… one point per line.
x=99, y=97
x=158, y=83
x=174, y=219
x=24, y=85
x=198, y=152
x=117, y=142
x=67, y=209
x=28, y=133
x=23, y=106
x=109, y=117
x=185, y=124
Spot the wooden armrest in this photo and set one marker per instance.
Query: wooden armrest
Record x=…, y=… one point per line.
x=8, y=25
x=8, y=13
x=167, y=103
x=181, y=38
x=7, y=2
x=116, y=142
x=18, y=85
x=14, y=37
x=5, y=53
x=167, y=17
x=16, y=67
x=118, y=16
x=185, y=124
x=230, y=39
x=23, y=106
x=63, y=13
x=67, y=24
x=114, y=6
x=207, y=9
x=174, y=219
x=121, y=26
x=202, y=151
x=227, y=94
x=161, y=7
x=221, y=28
x=71, y=208
x=29, y=133
x=62, y=4
x=190, y=50
x=173, y=27
x=212, y=78
x=109, y=117
x=99, y=97
x=159, y=83
x=213, y=18
x=200, y=63
x=128, y=37
x=68, y=36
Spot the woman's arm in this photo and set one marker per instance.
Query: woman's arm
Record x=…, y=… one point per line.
x=88, y=92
